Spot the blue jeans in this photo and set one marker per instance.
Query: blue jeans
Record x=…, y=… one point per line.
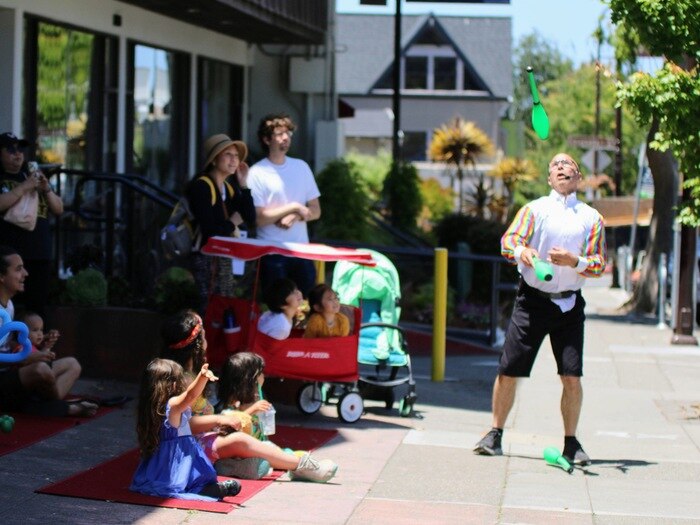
x=301, y=271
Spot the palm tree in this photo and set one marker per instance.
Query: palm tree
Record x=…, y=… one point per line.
x=513, y=171
x=459, y=144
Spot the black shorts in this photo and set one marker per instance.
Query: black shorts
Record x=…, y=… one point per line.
x=535, y=317
x=12, y=393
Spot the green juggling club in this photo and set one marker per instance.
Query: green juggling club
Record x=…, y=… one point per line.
x=543, y=270
x=540, y=120
x=553, y=457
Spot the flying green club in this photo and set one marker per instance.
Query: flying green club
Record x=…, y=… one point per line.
x=540, y=120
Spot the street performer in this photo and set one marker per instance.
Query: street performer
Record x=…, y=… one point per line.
x=571, y=236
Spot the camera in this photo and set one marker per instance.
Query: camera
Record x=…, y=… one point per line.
x=33, y=168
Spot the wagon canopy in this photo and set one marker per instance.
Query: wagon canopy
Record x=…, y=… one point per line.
x=250, y=249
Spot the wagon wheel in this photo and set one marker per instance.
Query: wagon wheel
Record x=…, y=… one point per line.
x=309, y=399
x=350, y=407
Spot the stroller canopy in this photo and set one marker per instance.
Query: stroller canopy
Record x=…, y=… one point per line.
x=361, y=286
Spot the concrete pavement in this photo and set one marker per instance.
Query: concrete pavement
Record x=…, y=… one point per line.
x=640, y=424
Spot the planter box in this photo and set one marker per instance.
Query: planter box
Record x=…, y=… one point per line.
x=109, y=342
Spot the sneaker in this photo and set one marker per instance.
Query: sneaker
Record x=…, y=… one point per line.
x=243, y=468
x=230, y=487
x=575, y=454
x=222, y=489
x=310, y=469
x=490, y=444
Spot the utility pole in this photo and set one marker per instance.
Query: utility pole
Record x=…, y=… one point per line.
x=596, y=130
x=396, y=98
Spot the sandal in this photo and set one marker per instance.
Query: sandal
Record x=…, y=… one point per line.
x=82, y=408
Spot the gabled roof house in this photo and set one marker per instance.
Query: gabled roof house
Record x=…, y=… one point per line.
x=450, y=66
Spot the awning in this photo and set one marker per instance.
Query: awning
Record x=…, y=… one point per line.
x=345, y=110
x=249, y=249
x=619, y=211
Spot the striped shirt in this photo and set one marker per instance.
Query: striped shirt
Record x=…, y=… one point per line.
x=563, y=222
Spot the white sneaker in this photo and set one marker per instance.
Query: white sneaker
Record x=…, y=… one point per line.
x=310, y=469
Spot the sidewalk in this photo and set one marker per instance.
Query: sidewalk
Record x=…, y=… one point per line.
x=640, y=424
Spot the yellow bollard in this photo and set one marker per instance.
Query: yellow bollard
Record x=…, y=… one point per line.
x=320, y=272
x=440, y=315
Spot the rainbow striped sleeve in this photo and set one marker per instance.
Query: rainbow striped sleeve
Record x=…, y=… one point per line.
x=595, y=251
x=518, y=233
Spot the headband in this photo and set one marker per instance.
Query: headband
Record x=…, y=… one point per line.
x=196, y=329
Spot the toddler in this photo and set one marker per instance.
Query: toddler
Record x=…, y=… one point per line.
x=326, y=319
x=283, y=299
x=173, y=464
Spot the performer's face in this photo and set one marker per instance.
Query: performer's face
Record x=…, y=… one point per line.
x=564, y=174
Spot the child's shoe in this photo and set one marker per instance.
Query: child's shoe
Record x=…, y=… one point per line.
x=230, y=487
x=243, y=468
x=310, y=469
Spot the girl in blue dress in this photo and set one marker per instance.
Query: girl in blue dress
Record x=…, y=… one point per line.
x=173, y=464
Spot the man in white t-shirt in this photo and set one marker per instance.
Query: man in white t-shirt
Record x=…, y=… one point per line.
x=286, y=197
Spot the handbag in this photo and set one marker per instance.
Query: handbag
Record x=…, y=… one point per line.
x=23, y=213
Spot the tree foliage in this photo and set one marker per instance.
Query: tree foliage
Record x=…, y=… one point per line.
x=437, y=201
x=513, y=172
x=547, y=64
x=459, y=144
x=672, y=95
x=570, y=105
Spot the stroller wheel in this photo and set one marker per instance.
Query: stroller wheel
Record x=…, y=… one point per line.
x=350, y=407
x=309, y=398
x=406, y=406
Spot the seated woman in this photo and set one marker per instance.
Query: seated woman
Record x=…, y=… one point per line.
x=283, y=299
x=326, y=319
x=39, y=383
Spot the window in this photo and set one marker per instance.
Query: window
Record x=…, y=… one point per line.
x=64, y=66
x=445, y=73
x=159, y=135
x=220, y=99
x=416, y=74
x=415, y=145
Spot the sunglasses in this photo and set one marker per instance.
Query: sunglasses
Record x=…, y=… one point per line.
x=14, y=148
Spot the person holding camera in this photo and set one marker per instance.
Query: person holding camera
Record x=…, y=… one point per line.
x=20, y=179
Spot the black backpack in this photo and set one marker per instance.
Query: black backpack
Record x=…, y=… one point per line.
x=181, y=236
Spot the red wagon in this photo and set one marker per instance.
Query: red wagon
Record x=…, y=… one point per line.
x=326, y=365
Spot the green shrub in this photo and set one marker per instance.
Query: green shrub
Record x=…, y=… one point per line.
x=402, y=195
x=87, y=288
x=422, y=302
x=175, y=290
x=483, y=237
x=372, y=170
x=344, y=203
x=119, y=292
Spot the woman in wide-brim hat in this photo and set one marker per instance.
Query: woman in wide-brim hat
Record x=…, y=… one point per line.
x=221, y=203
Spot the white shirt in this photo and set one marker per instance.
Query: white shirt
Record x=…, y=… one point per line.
x=273, y=185
x=558, y=221
x=275, y=325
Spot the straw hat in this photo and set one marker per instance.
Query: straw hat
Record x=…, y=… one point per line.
x=218, y=143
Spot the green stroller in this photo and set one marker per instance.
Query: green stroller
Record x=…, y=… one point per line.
x=384, y=362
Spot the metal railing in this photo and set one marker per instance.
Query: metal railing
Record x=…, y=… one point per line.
x=495, y=263
x=122, y=214
x=119, y=214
